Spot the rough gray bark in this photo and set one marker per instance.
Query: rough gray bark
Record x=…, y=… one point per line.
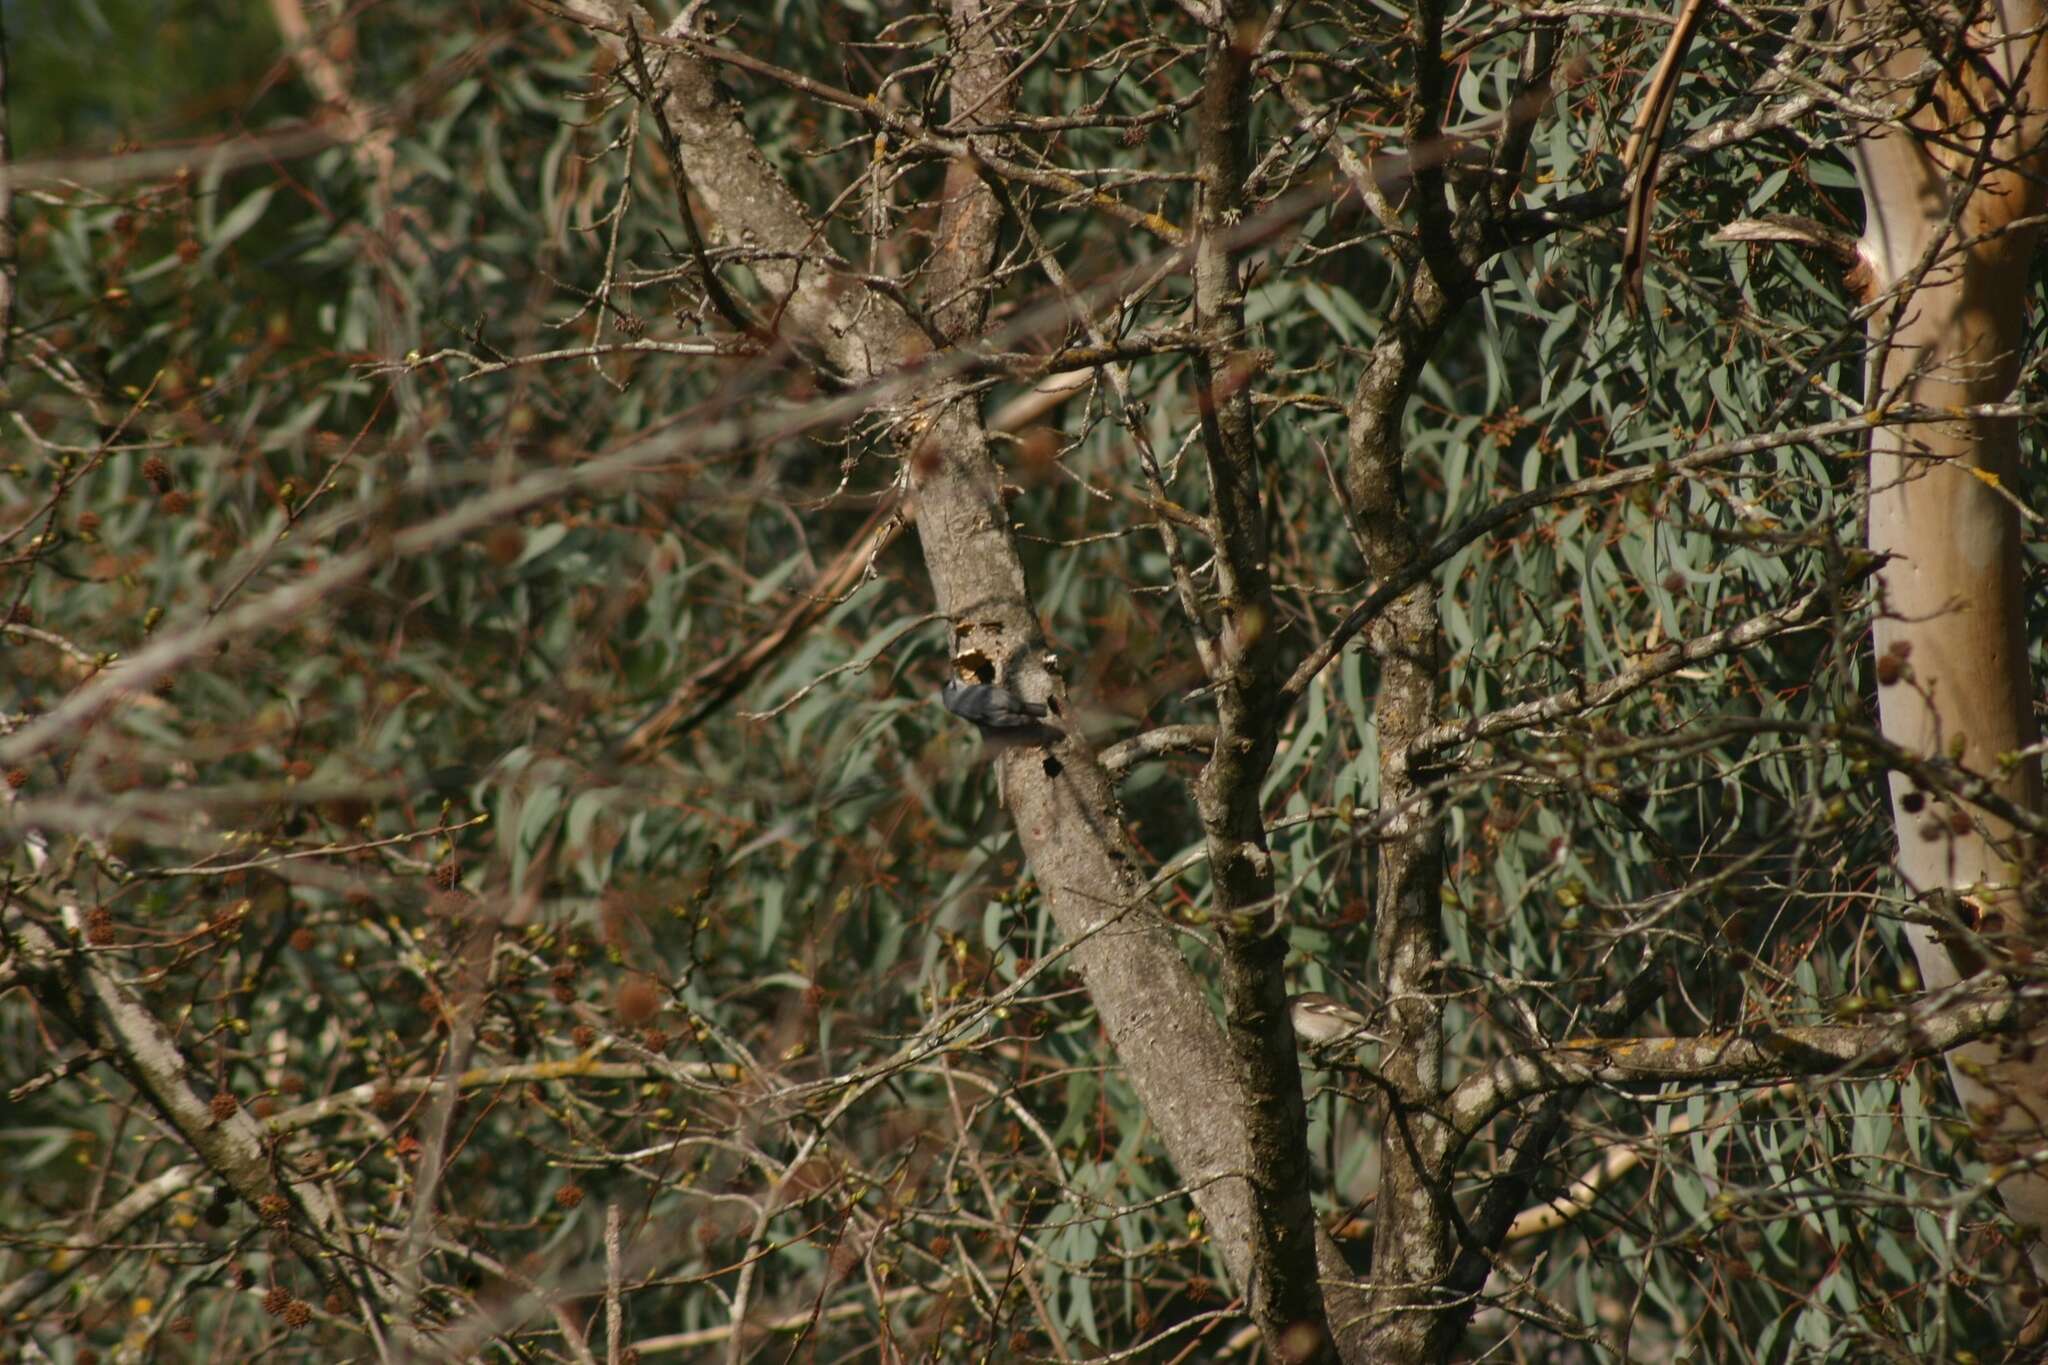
x=1287, y=1303
x=1411, y=1245
x=1412, y=1242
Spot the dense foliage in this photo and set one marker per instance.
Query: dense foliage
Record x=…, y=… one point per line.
x=390, y=511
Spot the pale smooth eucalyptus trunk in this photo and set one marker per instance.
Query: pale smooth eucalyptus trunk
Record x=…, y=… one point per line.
x=1947, y=187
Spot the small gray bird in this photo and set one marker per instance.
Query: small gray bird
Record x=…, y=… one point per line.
x=993, y=709
x=1321, y=1020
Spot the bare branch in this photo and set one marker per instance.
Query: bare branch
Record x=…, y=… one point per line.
x=1762, y=1053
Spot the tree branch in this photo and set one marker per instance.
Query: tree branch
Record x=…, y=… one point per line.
x=1581, y=697
x=1411, y=1255
x=1285, y=1297
x=1121, y=757
x=72, y=983
x=1753, y=1054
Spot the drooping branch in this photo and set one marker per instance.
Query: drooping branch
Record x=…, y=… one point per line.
x=1646, y=146
x=1574, y=211
x=1506, y=512
x=1586, y=696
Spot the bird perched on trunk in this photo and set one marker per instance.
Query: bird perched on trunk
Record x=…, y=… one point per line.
x=996, y=711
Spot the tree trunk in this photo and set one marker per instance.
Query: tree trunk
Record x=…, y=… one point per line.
x=1947, y=188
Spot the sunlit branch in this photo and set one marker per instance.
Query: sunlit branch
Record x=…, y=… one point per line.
x=1762, y=1053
